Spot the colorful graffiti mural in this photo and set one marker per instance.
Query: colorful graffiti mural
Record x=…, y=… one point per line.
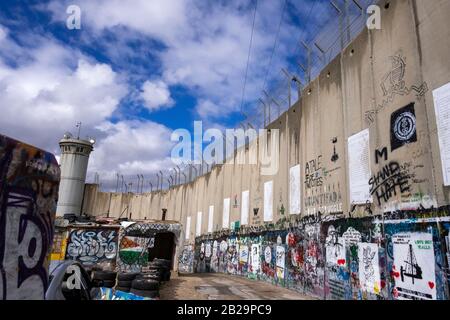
x=93, y=247
x=400, y=255
x=29, y=181
x=135, y=240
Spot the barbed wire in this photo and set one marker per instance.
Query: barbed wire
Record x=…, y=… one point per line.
x=326, y=45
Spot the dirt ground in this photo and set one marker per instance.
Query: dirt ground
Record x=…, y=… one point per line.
x=223, y=287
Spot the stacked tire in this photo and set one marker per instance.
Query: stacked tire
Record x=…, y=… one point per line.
x=124, y=281
x=105, y=279
x=162, y=267
x=145, y=287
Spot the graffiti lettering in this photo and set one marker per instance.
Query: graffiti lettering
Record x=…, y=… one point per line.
x=313, y=173
x=92, y=246
x=387, y=182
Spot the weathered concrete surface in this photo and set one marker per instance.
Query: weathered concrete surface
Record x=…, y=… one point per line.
x=29, y=181
x=360, y=89
x=223, y=287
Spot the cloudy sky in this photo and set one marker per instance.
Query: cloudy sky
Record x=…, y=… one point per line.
x=139, y=69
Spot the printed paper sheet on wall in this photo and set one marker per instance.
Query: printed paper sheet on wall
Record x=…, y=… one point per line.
x=226, y=213
x=280, y=261
x=414, y=266
x=442, y=108
x=198, y=229
x=369, y=267
x=255, y=256
x=359, y=167
x=188, y=228
x=210, y=218
x=268, y=201
x=245, y=207
x=294, y=190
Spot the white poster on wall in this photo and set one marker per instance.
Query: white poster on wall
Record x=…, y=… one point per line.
x=226, y=213
x=414, y=266
x=359, y=167
x=335, y=251
x=294, y=190
x=210, y=219
x=245, y=207
x=243, y=254
x=442, y=109
x=255, y=257
x=268, y=201
x=369, y=267
x=198, y=229
x=188, y=228
x=280, y=261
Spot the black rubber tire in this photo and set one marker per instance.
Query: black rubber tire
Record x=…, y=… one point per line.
x=97, y=283
x=104, y=275
x=124, y=289
x=145, y=284
x=146, y=293
x=109, y=283
x=124, y=284
x=166, y=276
x=150, y=277
x=163, y=262
x=127, y=276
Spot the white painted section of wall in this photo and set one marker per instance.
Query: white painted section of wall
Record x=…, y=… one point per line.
x=210, y=219
x=245, y=207
x=188, y=228
x=198, y=229
x=268, y=201
x=294, y=190
x=226, y=213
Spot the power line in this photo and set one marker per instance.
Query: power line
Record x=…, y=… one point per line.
x=274, y=45
x=248, y=57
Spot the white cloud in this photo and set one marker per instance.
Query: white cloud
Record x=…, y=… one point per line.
x=156, y=95
x=3, y=33
x=131, y=147
x=205, y=44
x=46, y=94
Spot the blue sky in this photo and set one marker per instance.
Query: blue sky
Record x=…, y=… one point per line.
x=137, y=70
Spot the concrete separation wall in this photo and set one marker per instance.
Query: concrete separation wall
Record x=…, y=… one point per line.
x=365, y=135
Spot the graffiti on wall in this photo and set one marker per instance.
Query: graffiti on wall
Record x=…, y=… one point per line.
x=136, y=239
x=403, y=127
x=29, y=180
x=92, y=246
x=389, y=182
x=186, y=260
x=314, y=173
x=393, y=84
x=398, y=257
x=414, y=266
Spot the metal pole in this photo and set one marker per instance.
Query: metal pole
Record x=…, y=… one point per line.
x=157, y=186
x=184, y=174
x=151, y=187
x=117, y=183
x=162, y=179
x=289, y=79
x=264, y=108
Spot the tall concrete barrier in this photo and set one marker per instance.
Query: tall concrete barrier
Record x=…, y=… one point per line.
x=368, y=138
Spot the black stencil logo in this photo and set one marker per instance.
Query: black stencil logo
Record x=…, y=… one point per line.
x=403, y=127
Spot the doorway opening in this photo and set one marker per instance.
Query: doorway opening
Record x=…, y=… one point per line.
x=164, y=247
